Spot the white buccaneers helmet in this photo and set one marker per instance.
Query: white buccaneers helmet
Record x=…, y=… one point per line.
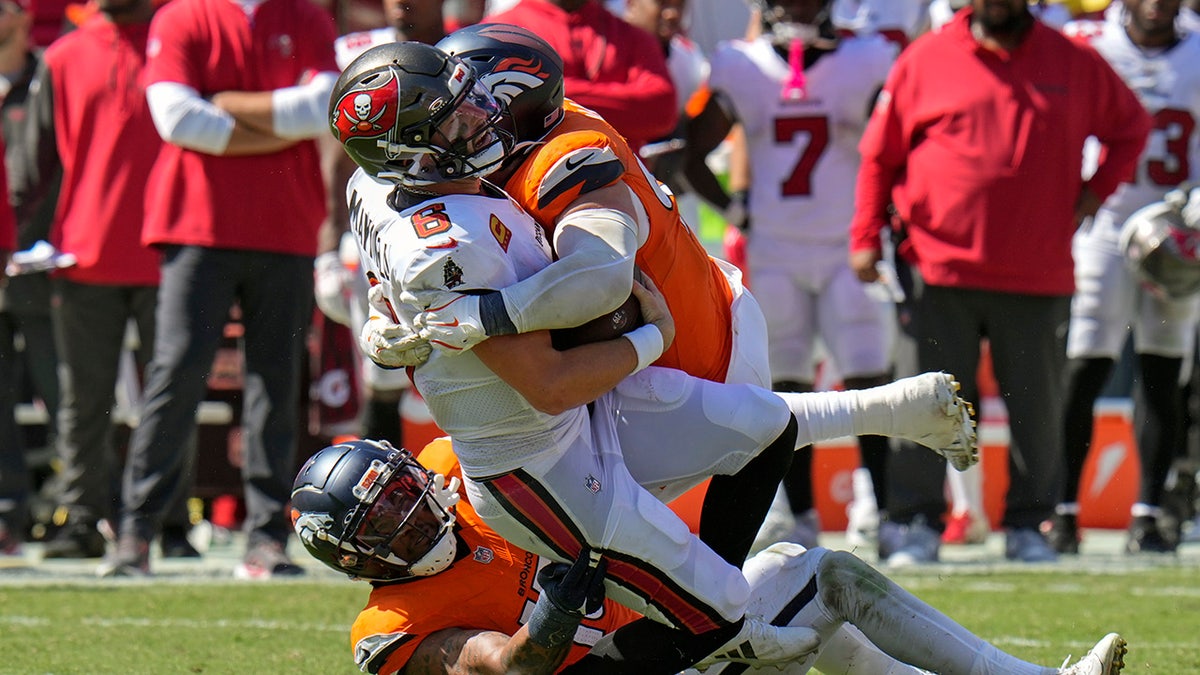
x=1161, y=243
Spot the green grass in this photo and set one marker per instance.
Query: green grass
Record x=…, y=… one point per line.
x=175, y=626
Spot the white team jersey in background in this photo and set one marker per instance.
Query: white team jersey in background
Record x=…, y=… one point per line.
x=1168, y=85
x=803, y=153
x=349, y=46
x=460, y=243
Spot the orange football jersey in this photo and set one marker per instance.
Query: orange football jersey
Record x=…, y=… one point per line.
x=492, y=589
x=582, y=154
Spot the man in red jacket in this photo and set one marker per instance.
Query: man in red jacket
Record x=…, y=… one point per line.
x=977, y=141
x=609, y=65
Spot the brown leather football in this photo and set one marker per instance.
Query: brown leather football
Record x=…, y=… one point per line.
x=612, y=325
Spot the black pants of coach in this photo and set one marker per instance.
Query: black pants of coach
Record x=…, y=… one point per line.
x=1027, y=336
x=199, y=285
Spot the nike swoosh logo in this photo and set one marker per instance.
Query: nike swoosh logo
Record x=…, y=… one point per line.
x=574, y=162
x=447, y=324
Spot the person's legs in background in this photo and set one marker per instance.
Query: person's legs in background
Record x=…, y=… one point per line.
x=1028, y=346
x=194, y=298
x=275, y=311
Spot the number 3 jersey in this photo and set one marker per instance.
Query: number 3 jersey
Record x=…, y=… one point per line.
x=1167, y=82
x=803, y=150
x=460, y=243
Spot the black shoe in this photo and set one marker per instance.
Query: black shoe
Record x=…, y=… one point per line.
x=1062, y=532
x=75, y=540
x=175, y=544
x=1145, y=537
x=131, y=559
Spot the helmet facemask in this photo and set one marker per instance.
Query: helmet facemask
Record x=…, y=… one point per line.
x=394, y=522
x=467, y=138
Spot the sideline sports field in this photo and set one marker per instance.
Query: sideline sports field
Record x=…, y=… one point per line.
x=193, y=617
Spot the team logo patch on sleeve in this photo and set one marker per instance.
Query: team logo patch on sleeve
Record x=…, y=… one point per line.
x=501, y=232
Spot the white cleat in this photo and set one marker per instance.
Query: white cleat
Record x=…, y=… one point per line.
x=760, y=644
x=1106, y=658
x=927, y=409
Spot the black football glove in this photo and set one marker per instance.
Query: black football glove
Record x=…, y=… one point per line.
x=569, y=592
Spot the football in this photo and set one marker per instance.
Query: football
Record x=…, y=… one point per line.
x=612, y=325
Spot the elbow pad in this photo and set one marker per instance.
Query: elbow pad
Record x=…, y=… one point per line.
x=301, y=112
x=182, y=117
x=593, y=275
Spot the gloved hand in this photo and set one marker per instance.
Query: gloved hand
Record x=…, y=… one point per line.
x=577, y=588
x=452, y=322
x=736, y=214
x=332, y=284
x=569, y=592
x=392, y=345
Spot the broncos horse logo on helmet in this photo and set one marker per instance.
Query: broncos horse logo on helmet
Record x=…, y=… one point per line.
x=522, y=71
x=410, y=113
x=373, y=512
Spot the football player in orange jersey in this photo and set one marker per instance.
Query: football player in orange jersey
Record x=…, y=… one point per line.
x=449, y=595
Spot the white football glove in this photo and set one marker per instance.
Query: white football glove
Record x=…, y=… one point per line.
x=452, y=322
x=392, y=345
x=332, y=284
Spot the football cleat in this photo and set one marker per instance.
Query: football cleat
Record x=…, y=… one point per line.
x=1106, y=658
x=927, y=409
x=759, y=643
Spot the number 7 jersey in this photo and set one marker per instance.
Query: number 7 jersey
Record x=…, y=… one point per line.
x=803, y=151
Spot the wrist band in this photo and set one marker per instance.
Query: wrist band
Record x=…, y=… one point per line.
x=648, y=343
x=551, y=627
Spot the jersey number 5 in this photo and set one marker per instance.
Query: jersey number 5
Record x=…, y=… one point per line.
x=816, y=130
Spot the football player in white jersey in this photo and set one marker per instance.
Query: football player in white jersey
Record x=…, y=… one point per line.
x=802, y=94
x=1162, y=66
x=546, y=471
x=339, y=282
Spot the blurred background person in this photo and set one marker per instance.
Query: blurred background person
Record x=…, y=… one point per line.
x=610, y=66
x=986, y=180
x=87, y=122
x=1162, y=66
x=27, y=353
x=234, y=204
x=802, y=94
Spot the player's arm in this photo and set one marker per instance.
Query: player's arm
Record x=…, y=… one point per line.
x=554, y=381
x=704, y=133
x=596, y=238
x=456, y=651
x=185, y=118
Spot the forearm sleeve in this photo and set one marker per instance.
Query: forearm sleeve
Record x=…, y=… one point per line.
x=186, y=119
x=301, y=111
x=593, y=275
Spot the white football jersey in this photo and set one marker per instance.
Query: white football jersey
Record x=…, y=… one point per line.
x=459, y=243
x=1168, y=85
x=347, y=47
x=803, y=152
